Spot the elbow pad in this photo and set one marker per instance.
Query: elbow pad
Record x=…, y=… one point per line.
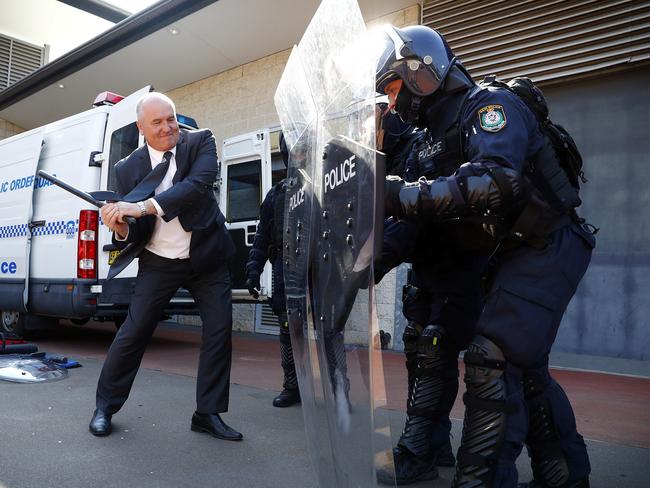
x=498, y=191
x=495, y=192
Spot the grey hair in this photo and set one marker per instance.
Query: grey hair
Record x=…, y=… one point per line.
x=152, y=96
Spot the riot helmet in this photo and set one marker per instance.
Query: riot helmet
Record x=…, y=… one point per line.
x=419, y=57
x=284, y=151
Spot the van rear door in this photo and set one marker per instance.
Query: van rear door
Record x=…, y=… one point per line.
x=246, y=178
x=121, y=139
x=18, y=164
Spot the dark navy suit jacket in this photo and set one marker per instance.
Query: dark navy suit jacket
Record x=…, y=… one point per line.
x=190, y=198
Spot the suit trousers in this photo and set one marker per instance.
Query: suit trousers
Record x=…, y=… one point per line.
x=157, y=281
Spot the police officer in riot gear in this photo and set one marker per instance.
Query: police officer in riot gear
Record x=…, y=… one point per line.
x=267, y=245
x=441, y=302
x=500, y=202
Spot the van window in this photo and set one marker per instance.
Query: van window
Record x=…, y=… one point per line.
x=278, y=169
x=123, y=142
x=244, y=191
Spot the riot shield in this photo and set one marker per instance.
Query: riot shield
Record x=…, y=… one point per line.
x=326, y=104
x=30, y=369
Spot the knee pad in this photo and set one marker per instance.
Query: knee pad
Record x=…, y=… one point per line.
x=285, y=336
x=410, y=336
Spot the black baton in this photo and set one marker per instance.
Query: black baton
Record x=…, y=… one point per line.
x=71, y=189
x=78, y=193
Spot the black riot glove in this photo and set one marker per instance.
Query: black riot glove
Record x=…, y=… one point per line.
x=253, y=283
x=392, y=204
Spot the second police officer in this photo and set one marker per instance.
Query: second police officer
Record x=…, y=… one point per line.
x=267, y=245
x=441, y=302
x=501, y=201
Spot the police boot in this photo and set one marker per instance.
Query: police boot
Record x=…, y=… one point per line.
x=486, y=413
x=545, y=440
x=581, y=483
x=408, y=468
x=290, y=394
x=434, y=388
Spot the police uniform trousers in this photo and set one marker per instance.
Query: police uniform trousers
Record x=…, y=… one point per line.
x=449, y=295
x=531, y=290
x=158, y=280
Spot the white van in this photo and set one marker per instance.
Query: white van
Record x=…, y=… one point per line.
x=251, y=165
x=54, y=250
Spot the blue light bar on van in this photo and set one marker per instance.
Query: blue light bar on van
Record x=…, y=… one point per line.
x=183, y=119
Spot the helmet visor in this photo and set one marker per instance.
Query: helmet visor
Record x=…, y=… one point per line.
x=420, y=74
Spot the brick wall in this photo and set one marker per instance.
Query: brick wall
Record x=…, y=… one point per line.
x=7, y=129
x=240, y=100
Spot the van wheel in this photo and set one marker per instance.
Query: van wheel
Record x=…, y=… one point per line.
x=12, y=323
x=119, y=320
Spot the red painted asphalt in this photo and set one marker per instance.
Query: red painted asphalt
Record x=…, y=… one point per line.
x=610, y=408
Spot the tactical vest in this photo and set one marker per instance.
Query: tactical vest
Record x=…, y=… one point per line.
x=438, y=151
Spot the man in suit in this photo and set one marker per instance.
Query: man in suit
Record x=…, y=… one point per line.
x=170, y=219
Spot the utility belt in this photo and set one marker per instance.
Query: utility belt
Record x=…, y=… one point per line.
x=534, y=225
x=536, y=221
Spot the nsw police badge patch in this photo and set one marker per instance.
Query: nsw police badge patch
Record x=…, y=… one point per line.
x=492, y=118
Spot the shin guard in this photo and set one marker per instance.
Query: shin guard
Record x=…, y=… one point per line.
x=486, y=412
x=552, y=434
x=435, y=385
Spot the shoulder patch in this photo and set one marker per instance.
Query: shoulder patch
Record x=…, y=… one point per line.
x=492, y=118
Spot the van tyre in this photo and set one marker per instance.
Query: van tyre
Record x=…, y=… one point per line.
x=12, y=322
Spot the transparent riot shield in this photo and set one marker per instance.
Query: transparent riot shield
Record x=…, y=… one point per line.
x=326, y=104
x=29, y=369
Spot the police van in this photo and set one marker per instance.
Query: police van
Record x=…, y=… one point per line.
x=54, y=250
x=251, y=164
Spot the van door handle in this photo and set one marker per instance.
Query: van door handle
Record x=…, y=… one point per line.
x=110, y=247
x=36, y=223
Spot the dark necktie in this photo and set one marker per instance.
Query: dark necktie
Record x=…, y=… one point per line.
x=148, y=185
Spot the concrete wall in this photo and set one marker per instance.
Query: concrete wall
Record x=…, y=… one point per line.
x=7, y=129
x=608, y=118
x=240, y=100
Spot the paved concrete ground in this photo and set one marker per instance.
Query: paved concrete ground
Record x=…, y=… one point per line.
x=44, y=440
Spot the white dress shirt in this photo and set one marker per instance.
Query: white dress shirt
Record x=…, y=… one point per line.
x=169, y=239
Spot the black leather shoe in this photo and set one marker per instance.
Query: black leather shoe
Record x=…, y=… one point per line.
x=408, y=469
x=211, y=423
x=581, y=483
x=100, y=424
x=286, y=398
